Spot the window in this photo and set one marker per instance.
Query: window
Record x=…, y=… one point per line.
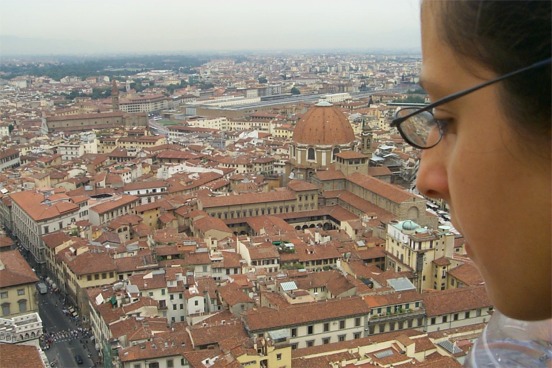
x=356, y=335
x=89, y=277
x=310, y=330
x=456, y=316
x=326, y=327
x=137, y=365
x=310, y=343
x=334, y=152
x=293, y=332
x=294, y=346
x=310, y=154
x=445, y=318
x=20, y=291
x=22, y=305
x=196, y=303
x=97, y=276
x=326, y=340
x=162, y=291
x=432, y=320
x=341, y=324
x=170, y=363
x=6, y=309
x=357, y=321
x=279, y=356
x=341, y=337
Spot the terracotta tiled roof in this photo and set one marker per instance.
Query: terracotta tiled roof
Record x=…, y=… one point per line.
x=263, y=251
x=111, y=205
x=6, y=242
x=35, y=205
x=275, y=196
x=21, y=356
x=232, y=294
x=301, y=185
x=211, y=333
x=89, y=263
x=267, y=319
x=329, y=175
x=468, y=274
x=15, y=270
x=137, y=185
x=381, y=188
x=207, y=223
x=379, y=171
x=323, y=125
x=442, y=261
x=116, y=114
x=455, y=300
x=53, y=240
x=137, y=263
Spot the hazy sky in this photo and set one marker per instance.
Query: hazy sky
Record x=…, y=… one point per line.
x=180, y=25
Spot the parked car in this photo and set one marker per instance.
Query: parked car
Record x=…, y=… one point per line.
x=78, y=359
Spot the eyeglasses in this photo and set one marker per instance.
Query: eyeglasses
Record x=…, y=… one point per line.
x=417, y=126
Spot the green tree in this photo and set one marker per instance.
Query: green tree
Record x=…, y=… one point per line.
x=295, y=91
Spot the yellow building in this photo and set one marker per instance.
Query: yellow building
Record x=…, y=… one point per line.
x=18, y=293
x=266, y=354
x=412, y=247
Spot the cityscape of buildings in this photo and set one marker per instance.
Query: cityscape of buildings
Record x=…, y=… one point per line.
x=253, y=213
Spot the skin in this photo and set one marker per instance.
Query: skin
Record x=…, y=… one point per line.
x=497, y=184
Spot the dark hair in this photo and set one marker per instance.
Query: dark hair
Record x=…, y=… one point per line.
x=504, y=36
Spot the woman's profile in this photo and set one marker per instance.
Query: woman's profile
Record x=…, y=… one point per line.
x=486, y=151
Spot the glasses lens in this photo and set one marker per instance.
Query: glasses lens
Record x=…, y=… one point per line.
x=420, y=129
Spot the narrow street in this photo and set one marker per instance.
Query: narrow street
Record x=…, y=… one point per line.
x=64, y=339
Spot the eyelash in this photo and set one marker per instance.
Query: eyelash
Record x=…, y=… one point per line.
x=443, y=124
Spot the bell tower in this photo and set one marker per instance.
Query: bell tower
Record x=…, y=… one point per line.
x=367, y=138
x=114, y=96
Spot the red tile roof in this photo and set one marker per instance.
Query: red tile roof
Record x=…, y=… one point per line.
x=381, y=188
x=37, y=206
x=14, y=270
x=265, y=318
x=455, y=300
x=21, y=356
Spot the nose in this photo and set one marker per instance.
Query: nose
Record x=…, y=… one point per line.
x=432, y=180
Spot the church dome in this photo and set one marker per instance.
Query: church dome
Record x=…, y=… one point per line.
x=410, y=225
x=323, y=124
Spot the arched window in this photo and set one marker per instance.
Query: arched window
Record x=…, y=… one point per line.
x=335, y=152
x=310, y=154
